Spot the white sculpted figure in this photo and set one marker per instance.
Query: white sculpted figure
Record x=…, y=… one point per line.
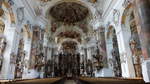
x=2, y=45
x=2, y=48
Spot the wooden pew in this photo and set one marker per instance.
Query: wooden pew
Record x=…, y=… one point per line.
x=31, y=81
x=113, y=80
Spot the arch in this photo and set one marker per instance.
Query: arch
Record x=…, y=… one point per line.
x=113, y=51
x=66, y=28
x=68, y=39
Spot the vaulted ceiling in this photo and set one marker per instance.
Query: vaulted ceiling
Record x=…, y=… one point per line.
x=69, y=12
x=73, y=19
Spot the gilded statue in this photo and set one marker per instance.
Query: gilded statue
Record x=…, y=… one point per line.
x=1, y=10
x=2, y=27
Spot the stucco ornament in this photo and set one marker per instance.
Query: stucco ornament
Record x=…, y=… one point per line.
x=1, y=12
x=116, y=15
x=2, y=48
x=2, y=45
x=126, y=3
x=20, y=14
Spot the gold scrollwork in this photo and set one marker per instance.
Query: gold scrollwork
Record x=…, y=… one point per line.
x=1, y=12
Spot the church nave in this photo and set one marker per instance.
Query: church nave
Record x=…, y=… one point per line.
x=75, y=41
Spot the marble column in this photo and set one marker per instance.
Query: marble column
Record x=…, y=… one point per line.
x=8, y=69
x=142, y=13
x=125, y=52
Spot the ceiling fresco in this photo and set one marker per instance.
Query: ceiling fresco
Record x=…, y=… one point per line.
x=69, y=34
x=69, y=12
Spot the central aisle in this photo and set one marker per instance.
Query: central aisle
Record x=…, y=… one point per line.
x=69, y=82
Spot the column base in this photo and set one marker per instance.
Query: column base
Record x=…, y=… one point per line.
x=32, y=74
x=146, y=70
x=105, y=72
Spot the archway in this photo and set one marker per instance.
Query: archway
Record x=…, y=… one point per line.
x=114, y=58
x=68, y=28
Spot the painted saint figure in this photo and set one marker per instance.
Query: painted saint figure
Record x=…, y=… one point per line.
x=136, y=57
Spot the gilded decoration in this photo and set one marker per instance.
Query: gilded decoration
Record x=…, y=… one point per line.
x=11, y=14
x=27, y=31
x=93, y=1
x=1, y=12
x=2, y=27
x=37, y=57
x=69, y=34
